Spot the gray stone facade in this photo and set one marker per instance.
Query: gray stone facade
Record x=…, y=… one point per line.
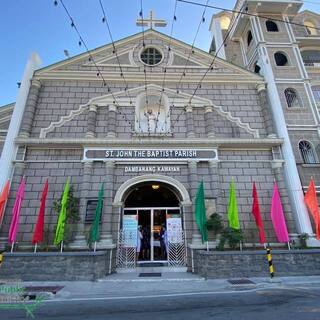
x=229, y=113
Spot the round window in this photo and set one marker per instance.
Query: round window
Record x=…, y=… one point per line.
x=151, y=56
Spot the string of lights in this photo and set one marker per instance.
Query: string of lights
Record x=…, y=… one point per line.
x=174, y=19
x=91, y=59
x=114, y=51
x=145, y=72
x=247, y=14
x=202, y=20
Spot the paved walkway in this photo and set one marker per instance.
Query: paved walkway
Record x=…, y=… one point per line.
x=130, y=285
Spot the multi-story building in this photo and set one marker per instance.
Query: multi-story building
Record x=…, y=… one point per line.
x=275, y=40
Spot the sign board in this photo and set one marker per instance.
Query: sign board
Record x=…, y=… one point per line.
x=174, y=230
x=136, y=154
x=130, y=230
x=153, y=169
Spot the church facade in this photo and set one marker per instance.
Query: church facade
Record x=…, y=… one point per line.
x=137, y=121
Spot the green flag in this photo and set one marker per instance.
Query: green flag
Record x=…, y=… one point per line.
x=62, y=215
x=94, y=230
x=233, y=208
x=201, y=218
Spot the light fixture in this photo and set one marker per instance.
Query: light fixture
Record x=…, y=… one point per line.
x=155, y=186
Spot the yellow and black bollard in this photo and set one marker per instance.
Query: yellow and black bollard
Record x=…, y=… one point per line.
x=269, y=256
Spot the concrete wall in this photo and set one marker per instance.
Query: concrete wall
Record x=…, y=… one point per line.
x=214, y=264
x=55, y=266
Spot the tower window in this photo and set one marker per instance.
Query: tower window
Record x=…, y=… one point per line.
x=281, y=59
x=257, y=68
x=292, y=98
x=271, y=26
x=249, y=38
x=311, y=57
x=307, y=152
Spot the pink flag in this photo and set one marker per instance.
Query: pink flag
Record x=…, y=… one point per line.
x=16, y=212
x=277, y=216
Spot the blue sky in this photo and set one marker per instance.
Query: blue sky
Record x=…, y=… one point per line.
x=37, y=25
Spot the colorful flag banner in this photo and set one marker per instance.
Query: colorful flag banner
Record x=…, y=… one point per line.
x=16, y=212
x=59, y=236
x=257, y=214
x=38, y=231
x=233, y=217
x=277, y=216
x=3, y=199
x=310, y=199
x=200, y=212
x=94, y=230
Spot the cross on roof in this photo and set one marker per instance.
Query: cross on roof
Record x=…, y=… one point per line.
x=151, y=22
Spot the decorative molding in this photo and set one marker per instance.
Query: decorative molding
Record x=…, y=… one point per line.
x=112, y=107
x=237, y=121
x=93, y=107
x=208, y=109
x=181, y=100
x=178, y=186
x=261, y=87
x=62, y=121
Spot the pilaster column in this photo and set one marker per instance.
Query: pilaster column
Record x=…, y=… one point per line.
x=266, y=111
x=112, y=111
x=208, y=118
x=193, y=185
x=30, y=109
x=189, y=122
x=107, y=214
x=91, y=122
x=80, y=240
x=214, y=174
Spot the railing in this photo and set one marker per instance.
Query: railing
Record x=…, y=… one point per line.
x=312, y=63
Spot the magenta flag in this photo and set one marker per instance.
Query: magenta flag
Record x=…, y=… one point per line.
x=16, y=212
x=277, y=216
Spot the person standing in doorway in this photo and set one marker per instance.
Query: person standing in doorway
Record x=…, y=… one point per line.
x=138, y=247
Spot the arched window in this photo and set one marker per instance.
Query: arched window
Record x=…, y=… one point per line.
x=281, y=59
x=310, y=28
x=249, y=38
x=271, y=26
x=310, y=57
x=307, y=152
x=292, y=98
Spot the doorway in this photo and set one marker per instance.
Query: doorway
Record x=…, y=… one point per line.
x=153, y=227
x=151, y=204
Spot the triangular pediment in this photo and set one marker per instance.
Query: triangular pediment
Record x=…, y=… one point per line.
x=177, y=55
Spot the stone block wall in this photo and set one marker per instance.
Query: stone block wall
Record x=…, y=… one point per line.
x=55, y=266
x=215, y=264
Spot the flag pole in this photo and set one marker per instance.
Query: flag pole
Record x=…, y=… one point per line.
x=288, y=243
x=207, y=245
x=12, y=245
x=61, y=247
x=240, y=246
x=35, y=247
x=95, y=246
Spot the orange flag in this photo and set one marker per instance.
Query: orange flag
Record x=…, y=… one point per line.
x=310, y=198
x=3, y=199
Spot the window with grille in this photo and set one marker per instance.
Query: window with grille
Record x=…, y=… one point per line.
x=307, y=152
x=151, y=56
x=311, y=57
x=91, y=210
x=316, y=94
x=292, y=98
